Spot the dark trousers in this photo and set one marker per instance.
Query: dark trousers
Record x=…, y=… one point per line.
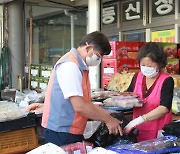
x=61, y=138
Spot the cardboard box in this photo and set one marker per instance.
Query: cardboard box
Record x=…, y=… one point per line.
x=170, y=49
x=112, y=66
x=45, y=71
x=127, y=64
x=105, y=81
x=34, y=84
x=34, y=70
x=124, y=50
x=172, y=66
x=109, y=67
x=43, y=82
x=129, y=50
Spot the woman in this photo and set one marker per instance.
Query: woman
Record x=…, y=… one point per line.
x=156, y=88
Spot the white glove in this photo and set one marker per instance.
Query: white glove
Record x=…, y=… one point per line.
x=132, y=124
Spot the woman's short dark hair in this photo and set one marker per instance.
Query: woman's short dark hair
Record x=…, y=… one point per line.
x=155, y=52
x=99, y=41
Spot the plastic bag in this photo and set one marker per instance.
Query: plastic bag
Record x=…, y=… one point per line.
x=176, y=105
x=177, y=92
x=124, y=103
x=99, y=150
x=10, y=111
x=102, y=138
x=28, y=97
x=154, y=146
x=91, y=127
x=47, y=148
x=172, y=129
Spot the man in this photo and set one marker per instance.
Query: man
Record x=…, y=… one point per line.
x=67, y=103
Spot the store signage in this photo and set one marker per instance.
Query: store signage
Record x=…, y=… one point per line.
x=109, y=14
x=132, y=10
x=163, y=7
x=164, y=36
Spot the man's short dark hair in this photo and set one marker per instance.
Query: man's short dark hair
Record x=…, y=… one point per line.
x=155, y=52
x=99, y=41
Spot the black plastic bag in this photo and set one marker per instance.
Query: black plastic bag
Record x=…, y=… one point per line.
x=172, y=129
x=102, y=138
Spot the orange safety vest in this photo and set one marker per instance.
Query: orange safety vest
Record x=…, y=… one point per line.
x=58, y=114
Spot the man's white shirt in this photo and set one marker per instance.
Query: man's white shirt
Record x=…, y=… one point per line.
x=70, y=79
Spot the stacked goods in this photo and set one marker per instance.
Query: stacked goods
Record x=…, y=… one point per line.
x=40, y=76
x=17, y=132
x=171, y=50
x=97, y=95
x=120, y=81
x=124, y=100
x=34, y=72
x=10, y=111
x=45, y=72
x=122, y=57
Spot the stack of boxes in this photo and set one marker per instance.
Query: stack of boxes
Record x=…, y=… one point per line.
x=34, y=71
x=40, y=76
x=171, y=50
x=122, y=57
x=45, y=72
x=173, y=54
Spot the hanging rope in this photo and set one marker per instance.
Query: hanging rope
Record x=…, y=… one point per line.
x=5, y=69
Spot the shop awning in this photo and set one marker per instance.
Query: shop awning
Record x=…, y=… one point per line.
x=5, y=1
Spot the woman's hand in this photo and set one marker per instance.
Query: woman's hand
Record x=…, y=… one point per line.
x=132, y=124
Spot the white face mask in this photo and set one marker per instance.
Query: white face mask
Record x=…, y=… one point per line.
x=149, y=72
x=93, y=61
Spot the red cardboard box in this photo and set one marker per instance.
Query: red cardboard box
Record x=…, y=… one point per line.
x=124, y=50
x=112, y=66
x=109, y=67
x=127, y=64
x=115, y=45
x=105, y=81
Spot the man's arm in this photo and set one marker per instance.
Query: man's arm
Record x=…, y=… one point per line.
x=93, y=112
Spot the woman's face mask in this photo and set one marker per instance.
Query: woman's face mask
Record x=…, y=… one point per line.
x=93, y=61
x=149, y=72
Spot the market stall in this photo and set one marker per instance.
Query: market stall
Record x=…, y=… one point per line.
x=19, y=130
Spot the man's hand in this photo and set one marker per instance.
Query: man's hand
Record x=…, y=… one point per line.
x=35, y=106
x=113, y=126
x=132, y=124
